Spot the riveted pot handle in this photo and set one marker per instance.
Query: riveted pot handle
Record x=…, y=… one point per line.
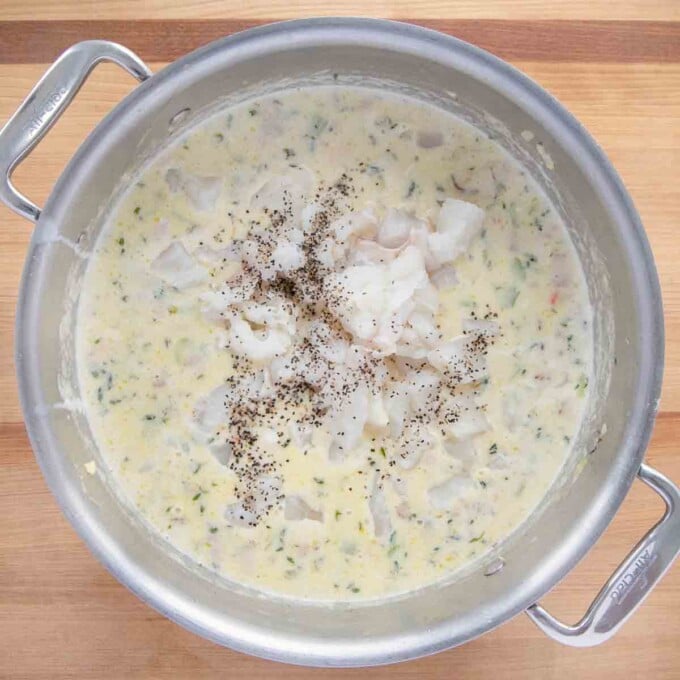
x=46, y=102
x=631, y=582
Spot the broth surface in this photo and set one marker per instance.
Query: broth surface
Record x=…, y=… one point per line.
x=334, y=344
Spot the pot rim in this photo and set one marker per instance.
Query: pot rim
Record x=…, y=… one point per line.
x=599, y=510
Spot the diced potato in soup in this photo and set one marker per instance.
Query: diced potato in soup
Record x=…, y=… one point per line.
x=334, y=344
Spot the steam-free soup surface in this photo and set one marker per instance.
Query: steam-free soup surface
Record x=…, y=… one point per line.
x=334, y=344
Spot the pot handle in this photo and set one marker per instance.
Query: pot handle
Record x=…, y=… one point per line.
x=631, y=582
x=46, y=102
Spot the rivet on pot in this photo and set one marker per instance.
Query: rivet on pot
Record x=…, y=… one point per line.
x=178, y=118
x=494, y=567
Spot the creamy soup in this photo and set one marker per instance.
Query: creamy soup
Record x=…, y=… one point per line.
x=334, y=344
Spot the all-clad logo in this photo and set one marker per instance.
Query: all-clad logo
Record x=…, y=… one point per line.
x=49, y=105
x=635, y=573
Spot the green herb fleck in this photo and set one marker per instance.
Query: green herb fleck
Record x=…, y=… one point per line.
x=477, y=538
x=318, y=480
x=338, y=514
x=197, y=496
x=383, y=453
x=319, y=124
x=493, y=449
x=149, y=416
x=282, y=536
x=519, y=269
x=290, y=559
x=581, y=385
x=508, y=297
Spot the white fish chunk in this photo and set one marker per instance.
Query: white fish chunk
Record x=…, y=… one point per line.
x=373, y=301
x=209, y=255
x=258, y=346
x=398, y=408
x=458, y=224
x=471, y=419
x=295, y=235
x=462, y=450
x=369, y=252
x=212, y=411
x=254, y=255
x=380, y=513
x=443, y=496
x=287, y=257
x=266, y=492
x=237, y=290
x=177, y=268
x=419, y=335
x=459, y=359
x=301, y=434
x=285, y=194
x=173, y=178
x=296, y=509
x=427, y=299
x=400, y=485
x=255, y=387
x=201, y=191
x=422, y=387
x=308, y=215
x=377, y=415
x=429, y=139
x=415, y=440
x=346, y=420
x=274, y=313
x=282, y=369
x=444, y=278
x=486, y=327
x=238, y=516
x=562, y=269
x=354, y=224
x=328, y=343
x=394, y=231
x=221, y=452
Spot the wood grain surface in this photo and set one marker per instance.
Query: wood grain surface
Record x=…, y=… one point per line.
x=616, y=66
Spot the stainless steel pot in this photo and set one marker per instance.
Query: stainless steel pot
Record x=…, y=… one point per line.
x=623, y=286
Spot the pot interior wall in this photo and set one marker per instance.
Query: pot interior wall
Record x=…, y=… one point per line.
x=436, y=616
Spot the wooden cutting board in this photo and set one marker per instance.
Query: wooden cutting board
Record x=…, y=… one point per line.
x=616, y=65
